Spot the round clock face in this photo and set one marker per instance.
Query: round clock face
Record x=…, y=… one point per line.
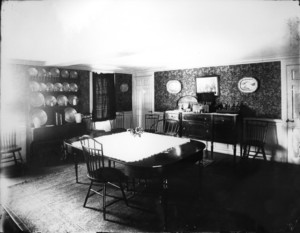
x=124, y=87
x=248, y=85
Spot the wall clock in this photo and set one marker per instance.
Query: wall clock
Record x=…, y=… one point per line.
x=124, y=87
x=173, y=86
x=248, y=85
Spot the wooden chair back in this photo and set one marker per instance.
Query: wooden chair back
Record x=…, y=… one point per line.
x=167, y=126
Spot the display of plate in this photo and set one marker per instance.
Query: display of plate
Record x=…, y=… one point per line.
x=173, y=86
x=73, y=100
x=34, y=86
x=39, y=117
x=43, y=87
x=37, y=99
x=64, y=74
x=50, y=86
x=49, y=75
x=50, y=100
x=248, y=85
x=58, y=87
x=66, y=87
x=70, y=114
x=42, y=74
x=33, y=72
x=73, y=74
x=62, y=100
x=55, y=72
x=73, y=87
x=124, y=87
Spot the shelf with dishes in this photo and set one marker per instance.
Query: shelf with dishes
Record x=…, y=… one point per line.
x=46, y=117
x=38, y=99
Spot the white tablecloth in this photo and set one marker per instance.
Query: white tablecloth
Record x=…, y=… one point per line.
x=124, y=146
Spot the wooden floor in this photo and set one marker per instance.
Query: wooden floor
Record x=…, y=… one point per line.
x=259, y=196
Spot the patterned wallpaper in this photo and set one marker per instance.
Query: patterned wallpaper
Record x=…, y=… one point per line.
x=123, y=98
x=265, y=102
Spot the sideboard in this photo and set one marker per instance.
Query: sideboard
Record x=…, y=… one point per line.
x=213, y=127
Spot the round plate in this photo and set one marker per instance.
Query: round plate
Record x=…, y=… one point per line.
x=124, y=87
x=62, y=100
x=43, y=87
x=73, y=74
x=66, y=87
x=50, y=100
x=70, y=114
x=58, y=87
x=73, y=100
x=39, y=117
x=173, y=86
x=34, y=86
x=73, y=87
x=55, y=72
x=42, y=73
x=33, y=72
x=248, y=85
x=64, y=74
x=50, y=86
x=37, y=99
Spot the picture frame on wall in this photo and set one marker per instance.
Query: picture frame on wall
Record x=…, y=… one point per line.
x=208, y=84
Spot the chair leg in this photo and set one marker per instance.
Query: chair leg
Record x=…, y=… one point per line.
x=104, y=201
x=20, y=156
x=88, y=194
x=264, y=153
x=123, y=193
x=15, y=158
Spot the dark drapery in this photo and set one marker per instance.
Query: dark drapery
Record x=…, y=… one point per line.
x=104, y=103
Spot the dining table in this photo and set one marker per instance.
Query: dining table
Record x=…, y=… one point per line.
x=146, y=155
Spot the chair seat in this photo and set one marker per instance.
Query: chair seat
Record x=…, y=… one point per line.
x=107, y=174
x=10, y=149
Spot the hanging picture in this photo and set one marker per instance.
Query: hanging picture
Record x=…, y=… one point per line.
x=207, y=84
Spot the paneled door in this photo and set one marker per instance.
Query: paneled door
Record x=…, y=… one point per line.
x=293, y=117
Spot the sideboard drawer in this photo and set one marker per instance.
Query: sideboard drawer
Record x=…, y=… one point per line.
x=226, y=120
x=197, y=117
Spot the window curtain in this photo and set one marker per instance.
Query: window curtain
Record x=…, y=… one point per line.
x=104, y=103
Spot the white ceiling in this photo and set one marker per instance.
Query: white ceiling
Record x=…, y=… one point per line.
x=133, y=35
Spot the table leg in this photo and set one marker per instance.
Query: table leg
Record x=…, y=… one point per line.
x=75, y=157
